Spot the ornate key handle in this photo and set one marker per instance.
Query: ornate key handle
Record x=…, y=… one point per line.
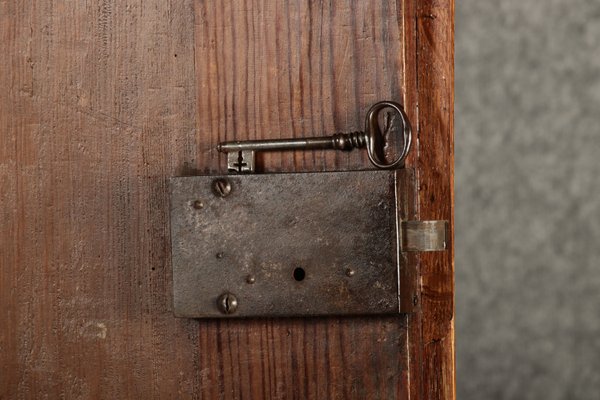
x=240, y=154
x=375, y=138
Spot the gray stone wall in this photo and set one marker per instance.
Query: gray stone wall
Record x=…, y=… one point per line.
x=528, y=199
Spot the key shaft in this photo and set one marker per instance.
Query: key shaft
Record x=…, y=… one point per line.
x=339, y=141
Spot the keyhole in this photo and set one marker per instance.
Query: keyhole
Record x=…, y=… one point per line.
x=299, y=274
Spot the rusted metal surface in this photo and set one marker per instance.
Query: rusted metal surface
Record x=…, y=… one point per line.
x=289, y=244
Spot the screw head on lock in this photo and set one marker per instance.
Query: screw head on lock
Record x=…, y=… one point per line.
x=227, y=303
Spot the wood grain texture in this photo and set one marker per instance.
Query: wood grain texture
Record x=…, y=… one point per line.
x=281, y=69
x=278, y=69
x=97, y=109
x=104, y=100
x=288, y=69
x=430, y=102
x=435, y=166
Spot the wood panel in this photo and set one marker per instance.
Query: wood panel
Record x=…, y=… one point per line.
x=435, y=166
x=278, y=69
x=97, y=109
x=290, y=69
x=104, y=100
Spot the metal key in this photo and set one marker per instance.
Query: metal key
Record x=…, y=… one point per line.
x=241, y=154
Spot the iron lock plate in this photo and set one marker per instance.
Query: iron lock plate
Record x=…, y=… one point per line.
x=294, y=244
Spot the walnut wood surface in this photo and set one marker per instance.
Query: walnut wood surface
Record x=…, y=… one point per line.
x=97, y=109
x=434, y=344
x=104, y=100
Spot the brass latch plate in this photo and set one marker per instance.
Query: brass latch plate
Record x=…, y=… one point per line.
x=292, y=244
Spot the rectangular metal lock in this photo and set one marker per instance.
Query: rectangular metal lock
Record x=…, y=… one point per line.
x=296, y=244
x=291, y=244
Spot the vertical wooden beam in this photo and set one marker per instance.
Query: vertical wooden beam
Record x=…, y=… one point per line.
x=435, y=168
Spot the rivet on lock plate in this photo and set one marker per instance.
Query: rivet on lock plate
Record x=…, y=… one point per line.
x=302, y=244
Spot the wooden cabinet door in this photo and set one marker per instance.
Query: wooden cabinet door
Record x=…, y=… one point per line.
x=102, y=101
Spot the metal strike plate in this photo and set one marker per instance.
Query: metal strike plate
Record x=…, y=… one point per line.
x=293, y=244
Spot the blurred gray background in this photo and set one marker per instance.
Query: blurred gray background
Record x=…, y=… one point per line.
x=528, y=199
